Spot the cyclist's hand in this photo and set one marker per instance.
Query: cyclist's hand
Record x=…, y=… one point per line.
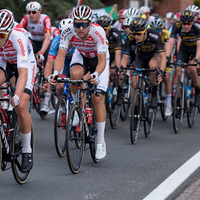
x=196, y=61
x=160, y=76
x=94, y=78
x=52, y=79
x=39, y=58
x=15, y=101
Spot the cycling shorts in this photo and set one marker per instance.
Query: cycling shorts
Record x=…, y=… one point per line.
x=89, y=65
x=9, y=68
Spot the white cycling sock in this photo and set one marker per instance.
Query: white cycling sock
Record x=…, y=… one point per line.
x=63, y=109
x=74, y=97
x=26, y=143
x=168, y=99
x=46, y=98
x=100, y=132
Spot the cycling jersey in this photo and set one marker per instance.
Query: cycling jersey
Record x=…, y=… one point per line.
x=55, y=31
x=18, y=53
x=115, y=42
x=37, y=30
x=86, y=51
x=165, y=36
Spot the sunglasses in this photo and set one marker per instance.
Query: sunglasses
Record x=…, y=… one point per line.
x=3, y=35
x=106, y=28
x=138, y=33
x=122, y=18
x=33, y=12
x=186, y=23
x=84, y=25
x=126, y=27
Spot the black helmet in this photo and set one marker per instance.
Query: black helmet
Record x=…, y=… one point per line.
x=138, y=24
x=187, y=16
x=104, y=21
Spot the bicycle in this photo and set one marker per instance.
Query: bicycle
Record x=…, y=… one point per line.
x=11, y=140
x=182, y=104
x=80, y=135
x=141, y=110
x=37, y=97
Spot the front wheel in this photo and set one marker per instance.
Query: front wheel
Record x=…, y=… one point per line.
x=17, y=146
x=75, y=139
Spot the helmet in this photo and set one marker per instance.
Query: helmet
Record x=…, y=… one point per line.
x=142, y=15
x=169, y=15
x=132, y=12
x=127, y=21
x=82, y=12
x=121, y=13
x=33, y=6
x=70, y=16
x=138, y=24
x=104, y=21
x=95, y=17
x=157, y=23
x=178, y=15
x=187, y=16
x=193, y=8
x=144, y=9
x=64, y=22
x=6, y=20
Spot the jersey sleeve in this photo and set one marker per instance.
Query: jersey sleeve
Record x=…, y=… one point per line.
x=24, y=22
x=47, y=25
x=54, y=47
x=56, y=32
x=118, y=44
x=66, y=35
x=197, y=27
x=175, y=29
x=129, y=42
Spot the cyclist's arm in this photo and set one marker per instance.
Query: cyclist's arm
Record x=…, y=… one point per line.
x=49, y=67
x=178, y=43
x=101, y=63
x=118, y=54
x=169, y=46
x=46, y=43
x=60, y=59
x=162, y=61
x=124, y=61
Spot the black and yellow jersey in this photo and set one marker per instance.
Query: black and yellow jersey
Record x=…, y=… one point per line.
x=165, y=36
x=190, y=38
x=151, y=44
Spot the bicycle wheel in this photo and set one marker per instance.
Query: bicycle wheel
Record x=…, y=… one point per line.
x=17, y=146
x=178, y=108
x=135, y=117
x=75, y=140
x=114, y=113
x=191, y=109
x=163, y=101
x=127, y=98
x=54, y=99
x=93, y=136
x=60, y=125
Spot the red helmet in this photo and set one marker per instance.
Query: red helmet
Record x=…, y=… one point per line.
x=121, y=13
x=178, y=15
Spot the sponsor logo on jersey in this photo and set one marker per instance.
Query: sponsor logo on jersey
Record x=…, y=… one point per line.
x=153, y=36
x=100, y=36
x=21, y=47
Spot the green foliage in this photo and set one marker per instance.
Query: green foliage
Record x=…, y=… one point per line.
x=197, y=3
x=50, y=7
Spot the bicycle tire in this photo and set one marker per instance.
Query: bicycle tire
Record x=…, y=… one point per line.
x=191, y=109
x=135, y=119
x=114, y=113
x=53, y=99
x=93, y=136
x=178, y=109
x=20, y=177
x=75, y=152
x=127, y=98
x=163, y=99
x=60, y=130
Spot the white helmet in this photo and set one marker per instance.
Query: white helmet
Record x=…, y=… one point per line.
x=6, y=20
x=169, y=15
x=144, y=9
x=132, y=12
x=64, y=22
x=33, y=6
x=193, y=8
x=127, y=21
x=82, y=12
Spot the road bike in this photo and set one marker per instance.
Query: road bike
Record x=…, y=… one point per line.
x=184, y=104
x=81, y=136
x=11, y=140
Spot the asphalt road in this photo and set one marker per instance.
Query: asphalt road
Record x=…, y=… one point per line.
x=128, y=171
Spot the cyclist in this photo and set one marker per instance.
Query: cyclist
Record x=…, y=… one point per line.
x=170, y=20
x=115, y=49
x=91, y=55
x=50, y=62
x=150, y=52
x=189, y=32
x=55, y=31
x=146, y=10
x=119, y=24
x=39, y=26
x=158, y=24
x=16, y=55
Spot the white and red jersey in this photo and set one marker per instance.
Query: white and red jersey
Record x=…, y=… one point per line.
x=18, y=48
x=37, y=30
x=55, y=31
x=96, y=42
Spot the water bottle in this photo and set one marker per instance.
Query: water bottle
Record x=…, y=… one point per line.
x=188, y=91
x=109, y=94
x=66, y=88
x=88, y=114
x=145, y=98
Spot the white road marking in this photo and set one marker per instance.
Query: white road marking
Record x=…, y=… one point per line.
x=168, y=186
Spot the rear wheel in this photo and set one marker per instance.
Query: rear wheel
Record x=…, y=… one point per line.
x=17, y=146
x=60, y=125
x=75, y=140
x=135, y=117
